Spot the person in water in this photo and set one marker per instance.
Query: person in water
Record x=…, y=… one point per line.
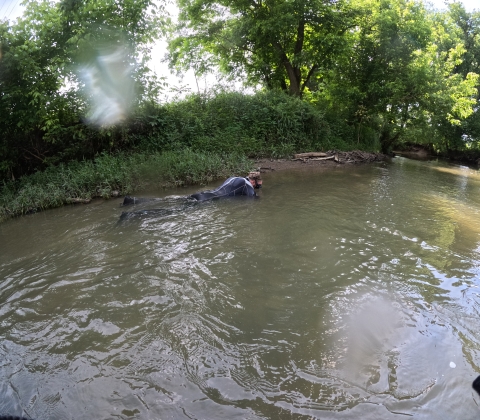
x=233, y=186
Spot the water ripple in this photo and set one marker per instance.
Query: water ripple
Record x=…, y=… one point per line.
x=344, y=301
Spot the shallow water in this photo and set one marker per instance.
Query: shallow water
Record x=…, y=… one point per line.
x=345, y=294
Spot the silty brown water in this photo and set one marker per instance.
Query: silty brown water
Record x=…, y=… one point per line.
x=345, y=294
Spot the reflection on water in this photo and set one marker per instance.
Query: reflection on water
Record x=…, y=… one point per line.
x=344, y=294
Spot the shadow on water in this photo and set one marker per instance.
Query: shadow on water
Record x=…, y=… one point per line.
x=185, y=205
x=171, y=206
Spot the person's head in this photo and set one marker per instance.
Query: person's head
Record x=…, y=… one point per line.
x=255, y=179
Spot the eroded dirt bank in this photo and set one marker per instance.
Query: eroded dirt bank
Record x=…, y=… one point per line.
x=331, y=159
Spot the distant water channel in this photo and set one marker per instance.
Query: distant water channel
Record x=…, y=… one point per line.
x=346, y=294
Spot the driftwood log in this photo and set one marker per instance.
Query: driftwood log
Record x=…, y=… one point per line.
x=355, y=156
x=323, y=158
x=310, y=155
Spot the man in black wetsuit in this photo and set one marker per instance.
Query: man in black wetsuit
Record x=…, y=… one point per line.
x=233, y=186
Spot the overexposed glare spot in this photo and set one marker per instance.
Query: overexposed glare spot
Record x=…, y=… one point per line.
x=109, y=86
x=371, y=332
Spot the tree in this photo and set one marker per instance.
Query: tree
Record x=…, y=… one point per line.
x=396, y=78
x=462, y=28
x=279, y=43
x=40, y=92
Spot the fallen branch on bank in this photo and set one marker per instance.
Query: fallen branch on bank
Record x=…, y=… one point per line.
x=310, y=155
x=315, y=158
x=323, y=158
x=355, y=156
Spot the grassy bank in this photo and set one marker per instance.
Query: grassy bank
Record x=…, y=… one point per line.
x=267, y=124
x=113, y=175
x=190, y=141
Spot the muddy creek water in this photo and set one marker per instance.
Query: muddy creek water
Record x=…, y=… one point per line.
x=345, y=294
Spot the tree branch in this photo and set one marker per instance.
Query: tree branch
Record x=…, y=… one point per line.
x=312, y=70
x=34, y=155
x=293, y=73
x=300, y=37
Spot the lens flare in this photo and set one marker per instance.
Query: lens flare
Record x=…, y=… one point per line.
x=109, y=86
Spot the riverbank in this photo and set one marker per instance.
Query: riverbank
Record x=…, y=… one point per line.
x=420, y=152
x=114, y=176
x=343, y=158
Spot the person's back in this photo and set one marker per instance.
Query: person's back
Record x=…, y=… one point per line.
x=233, y=186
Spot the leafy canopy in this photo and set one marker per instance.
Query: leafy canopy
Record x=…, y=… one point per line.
x=279, y=43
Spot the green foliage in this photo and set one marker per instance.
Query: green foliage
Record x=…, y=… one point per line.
x=398, y=79
x=381, y=67
x=459, y=133
x=265, y=124
x=40, y=95
x=281, y=44
x=189, y=167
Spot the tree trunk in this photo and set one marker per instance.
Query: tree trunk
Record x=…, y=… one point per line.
x=294, y=76
x=294, y=73
x=386, y=141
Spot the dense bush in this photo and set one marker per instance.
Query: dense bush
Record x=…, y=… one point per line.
x=265, y=124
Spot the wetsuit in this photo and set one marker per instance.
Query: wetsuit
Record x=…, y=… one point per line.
x=231, y=187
